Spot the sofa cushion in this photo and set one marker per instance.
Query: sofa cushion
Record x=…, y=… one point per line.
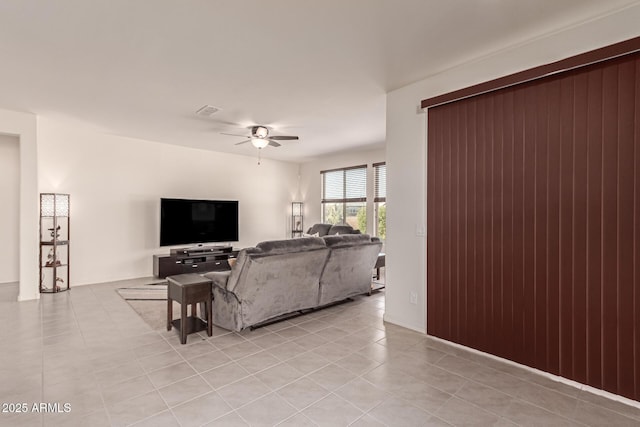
x=273, y=247
x=321, y=229
x=218, y=278
x=349, y=267
x=346, y=239
x=342, y=229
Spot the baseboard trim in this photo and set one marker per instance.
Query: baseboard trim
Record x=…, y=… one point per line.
x=397, y=322
x=557, y=378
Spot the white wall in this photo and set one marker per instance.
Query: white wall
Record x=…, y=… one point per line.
x=10, y=212
x=116, y=184
x=23, y=126
x=406, y=146
x=310, y=184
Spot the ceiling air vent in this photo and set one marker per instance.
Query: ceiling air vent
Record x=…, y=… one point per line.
x=207, y=111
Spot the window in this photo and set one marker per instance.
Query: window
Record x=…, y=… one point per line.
x=380, y=199
x=344, y=197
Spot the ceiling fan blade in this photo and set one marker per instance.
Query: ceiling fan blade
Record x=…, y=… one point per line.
x=284, y=138
x=241, y=142
x=234, y=134
x=273, y=143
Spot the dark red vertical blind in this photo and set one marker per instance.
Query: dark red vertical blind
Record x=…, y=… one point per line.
x=534, y=224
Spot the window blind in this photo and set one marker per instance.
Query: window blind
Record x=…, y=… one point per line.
x=344, y=185
x=380, y=182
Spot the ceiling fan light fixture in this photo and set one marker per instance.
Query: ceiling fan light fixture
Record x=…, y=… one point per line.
x=259, y=142
x=260, y=131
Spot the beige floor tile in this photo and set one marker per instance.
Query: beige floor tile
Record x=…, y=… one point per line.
x=389, y=378
x=258, y=362
x=279, y=375
x=367, y=421
x=310, y=341
x=187, y=389
x=612, y=405
x=64, y=350
x=84, y=397
x=127, y=389
x=226, y=340
x=292, y=332
x=357, y=363
x=163, y=419
x=241, y=350
x=171, y=374
x=552, y=401
x=269, y=340
x=266, y=411
x=333, y=351
x=422, y=395
x=362, y=394
x=375, y=351
x=208, y=361
x=201, y=410
x=485, y=397
x=593, y=415
x=225, y=374
x=275, y=327
x=29, y=419
x=112, y=376
x=525, y=414
x=298, y=420
x=460, y=413
x=196, y=349
x=137, y=341
x=160, y=360
x=302, y=393
x=459, y=366
x=499, y=380
x=95, y=419
x=371, y=334
x=242, y=392
x=287, y=350
x=232, y=419
x=106, y=360
x=439, y=378
x=313, y=325
x=332, y=333
x=425, y=353
x=136, y=409
x=332, y=377
x=332, y=411
x=252, y=334
x=397, y=412
x=308, y=362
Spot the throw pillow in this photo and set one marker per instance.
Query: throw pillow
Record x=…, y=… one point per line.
x=232, y=262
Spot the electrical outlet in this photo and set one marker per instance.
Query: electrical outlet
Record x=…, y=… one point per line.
x=413, y=297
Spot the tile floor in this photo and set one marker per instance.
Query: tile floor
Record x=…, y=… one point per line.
x=340, y=366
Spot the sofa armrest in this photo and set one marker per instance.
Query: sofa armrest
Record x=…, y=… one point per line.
x=219, y=279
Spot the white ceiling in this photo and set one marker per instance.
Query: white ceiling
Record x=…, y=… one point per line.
x=317, y=69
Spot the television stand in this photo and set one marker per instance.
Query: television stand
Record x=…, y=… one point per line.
x=196, y=259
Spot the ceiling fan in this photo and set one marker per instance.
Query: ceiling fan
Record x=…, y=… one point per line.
x=260, y=138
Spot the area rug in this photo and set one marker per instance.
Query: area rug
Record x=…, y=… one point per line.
x=150, y=302
x=150, y=292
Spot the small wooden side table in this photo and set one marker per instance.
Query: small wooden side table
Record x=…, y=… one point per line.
x=380, y=263
x=189, y=289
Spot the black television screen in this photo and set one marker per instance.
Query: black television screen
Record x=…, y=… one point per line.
x=185, y=221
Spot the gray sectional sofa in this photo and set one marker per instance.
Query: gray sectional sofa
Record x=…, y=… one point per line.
x=331, y=229
x=285, y=276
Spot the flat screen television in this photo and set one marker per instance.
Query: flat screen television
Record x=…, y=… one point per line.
x=184, y=221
